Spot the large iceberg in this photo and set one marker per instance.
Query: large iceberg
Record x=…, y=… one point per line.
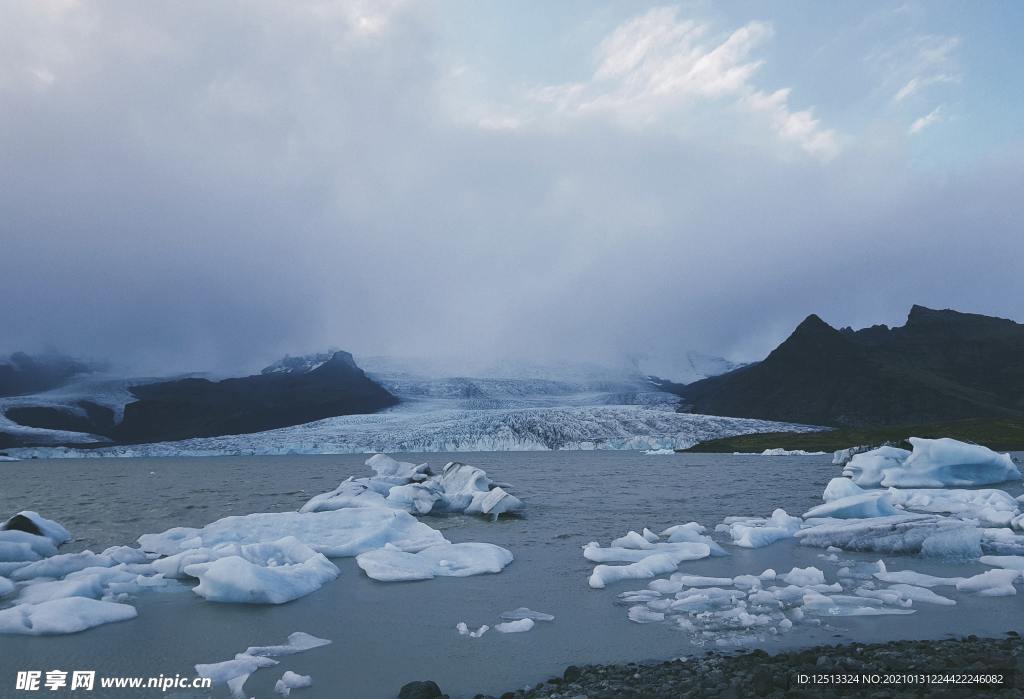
x=419, y=490
x=934, y=463
x=904, y=533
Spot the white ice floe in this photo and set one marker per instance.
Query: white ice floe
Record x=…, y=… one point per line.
x=62, y=616
x=755, y=532
x=694, y=533
x=804, y=577
x=870, y=504
x=419, y=490
x=641, y=614
x=390, y=563
x=685, y=551
x=236, y=671
x=660, y=452
x=991, y=583
x=1010, y=562
x=905, y=533
x=649, y=567
x=335, y=533
x=264, y=573
x=934, y=463
x=60, y=565
x=464, y=630
x=526, y=613
x=790, y=452
x=291, y=680
x=514, y=626
x=921, y=594
x=910, y=577
x=992, y=508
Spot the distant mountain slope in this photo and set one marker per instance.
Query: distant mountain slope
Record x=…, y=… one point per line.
x=197, y=407
x=21, y=373
x=940, y=365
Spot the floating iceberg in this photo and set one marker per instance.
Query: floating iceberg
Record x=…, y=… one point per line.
x=755, y=532
x=62, y=616
x=270, y=573
x=646, y=568
x=992, y=583
x=451, y=560
x=236, y=671
x=1010, y=562
x=418, y=490
x=289, y=681
x=870, y=504
x=33, y=523
x=906, y=533
x=992, y=508
x=464, y=630
x=934, y=463
x=514, y=626
x=335, y=533
x=526, y=613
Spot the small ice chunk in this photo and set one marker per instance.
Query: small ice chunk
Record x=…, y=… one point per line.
x=61, y=616
x=804, y=577
x=297, y=642
x=755, y=532
x=642, y=615
x=698, y=581
x=290, y=680
x=616, y=554
x=991, y=583
x=910, y=577
x=526, y=613
x=454, y=560
x=514, y=626
x=242, y=665
x=464, y=630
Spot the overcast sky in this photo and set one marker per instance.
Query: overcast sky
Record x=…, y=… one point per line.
x=198, y=185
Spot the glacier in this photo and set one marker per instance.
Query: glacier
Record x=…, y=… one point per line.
x=418, y=428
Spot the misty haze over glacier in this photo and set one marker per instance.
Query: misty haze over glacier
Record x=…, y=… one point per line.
x=428, y=179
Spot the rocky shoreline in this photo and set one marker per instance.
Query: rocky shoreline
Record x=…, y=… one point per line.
x=915, y=669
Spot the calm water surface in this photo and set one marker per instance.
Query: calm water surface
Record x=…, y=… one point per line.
x=386, y=634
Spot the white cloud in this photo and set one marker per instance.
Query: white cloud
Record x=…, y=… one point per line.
x=653, y=68
x=932, y=117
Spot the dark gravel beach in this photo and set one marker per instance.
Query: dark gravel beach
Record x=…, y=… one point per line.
x=967, y=667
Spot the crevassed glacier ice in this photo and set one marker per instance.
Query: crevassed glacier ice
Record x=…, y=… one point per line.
x=412, y=428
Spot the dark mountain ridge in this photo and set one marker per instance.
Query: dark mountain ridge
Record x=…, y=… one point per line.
x=940, y=365
x=198, y=407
